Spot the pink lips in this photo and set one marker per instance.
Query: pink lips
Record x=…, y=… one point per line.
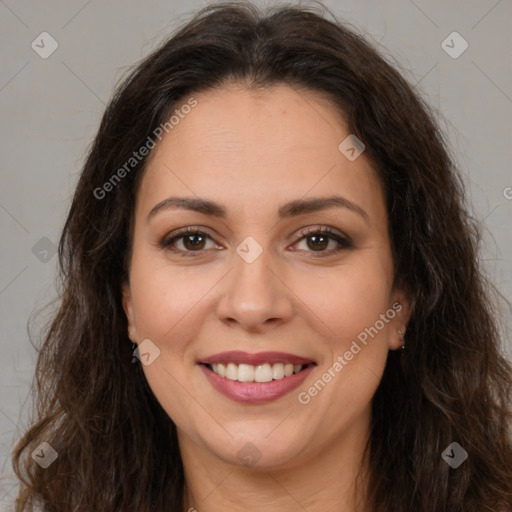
x=255, y=392
x=239, y=357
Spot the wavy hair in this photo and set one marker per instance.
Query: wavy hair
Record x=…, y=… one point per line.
x=452, y=383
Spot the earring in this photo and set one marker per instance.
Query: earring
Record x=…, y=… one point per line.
x=132, y=351
x=133, y=345
x=401, y=334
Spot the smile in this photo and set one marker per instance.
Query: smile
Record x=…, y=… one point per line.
x=255, y=378
x=261, y=373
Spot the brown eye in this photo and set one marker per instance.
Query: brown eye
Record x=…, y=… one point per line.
x=318, y=240
x=192, y=241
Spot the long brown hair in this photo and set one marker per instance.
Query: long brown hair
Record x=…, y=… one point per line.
x=117, y=448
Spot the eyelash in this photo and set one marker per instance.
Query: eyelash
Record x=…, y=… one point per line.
x=343, y=241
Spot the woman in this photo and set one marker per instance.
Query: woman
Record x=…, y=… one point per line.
x=269, y=215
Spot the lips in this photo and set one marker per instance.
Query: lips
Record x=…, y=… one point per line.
x=255, y=378
x=239, y=357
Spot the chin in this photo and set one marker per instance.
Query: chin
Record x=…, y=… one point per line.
x=252, y=449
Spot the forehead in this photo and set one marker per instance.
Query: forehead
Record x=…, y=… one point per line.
x=234, y=122
x=241, y=145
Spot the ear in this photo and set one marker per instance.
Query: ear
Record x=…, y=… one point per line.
x=401, y=305
x=128, y=311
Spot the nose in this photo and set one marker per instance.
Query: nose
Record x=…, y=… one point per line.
x=255, y=296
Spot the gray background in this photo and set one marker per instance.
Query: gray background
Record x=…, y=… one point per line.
x=51, y=108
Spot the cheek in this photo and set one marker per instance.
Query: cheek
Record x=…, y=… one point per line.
x=350, y=299
x=355, y=345
x=169, y=312
x=169, y=385
x=165, y=300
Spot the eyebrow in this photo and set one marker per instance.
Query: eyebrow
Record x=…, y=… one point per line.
x=290, y=209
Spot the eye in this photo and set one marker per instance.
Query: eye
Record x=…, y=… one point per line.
x=192, y=239
x=317, y=239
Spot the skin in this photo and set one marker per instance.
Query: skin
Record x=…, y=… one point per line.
x=252, y=152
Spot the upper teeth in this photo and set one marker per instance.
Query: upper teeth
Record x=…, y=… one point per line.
x=260, y=373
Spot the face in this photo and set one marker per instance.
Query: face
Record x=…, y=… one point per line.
x=264, y=329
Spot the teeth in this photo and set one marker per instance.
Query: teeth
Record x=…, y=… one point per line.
x=245, y=373
x=232, y=371
x=288, y=369
x=278, y=371
x=261, y=373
